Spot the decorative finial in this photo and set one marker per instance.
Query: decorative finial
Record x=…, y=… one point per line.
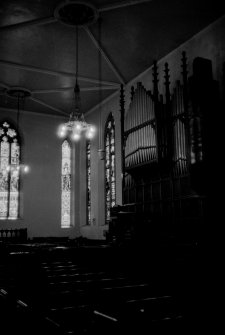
x=167, y=82
x=155, y=81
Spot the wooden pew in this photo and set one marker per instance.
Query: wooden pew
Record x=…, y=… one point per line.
x=78, y=295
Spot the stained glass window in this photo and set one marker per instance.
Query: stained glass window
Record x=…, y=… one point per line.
x=88, y=155
x=110, y=182
x=66, y=185
x=9, y=178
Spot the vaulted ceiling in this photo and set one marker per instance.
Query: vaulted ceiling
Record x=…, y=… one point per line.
x=38, y=50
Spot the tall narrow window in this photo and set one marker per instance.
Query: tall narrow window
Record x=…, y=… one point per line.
x=66, y=185
x=88, y=155
x=9, y=178
x=110, y=182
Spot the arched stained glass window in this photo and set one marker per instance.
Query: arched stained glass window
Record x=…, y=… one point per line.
x=88, y=155
x=9, y=178
x=66, y=185
x=110, y=181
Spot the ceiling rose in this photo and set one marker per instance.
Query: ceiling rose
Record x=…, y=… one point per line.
x=18, y=92
x=76, y=13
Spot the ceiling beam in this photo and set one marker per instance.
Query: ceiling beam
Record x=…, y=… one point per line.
x=56, y=73
x=121, y=4
x=97, y=88
x=103, y=102
x=108, y=61
x=37, y=22
x=65, y=89
x=48, y=106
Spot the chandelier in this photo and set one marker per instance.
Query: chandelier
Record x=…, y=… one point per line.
x=20, y=94
x=77, y=126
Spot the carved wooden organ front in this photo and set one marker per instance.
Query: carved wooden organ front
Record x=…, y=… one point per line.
x=163, y=138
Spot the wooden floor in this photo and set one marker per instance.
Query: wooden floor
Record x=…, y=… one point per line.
x=99, y=289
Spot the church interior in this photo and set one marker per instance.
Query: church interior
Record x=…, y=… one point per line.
x=109, y=129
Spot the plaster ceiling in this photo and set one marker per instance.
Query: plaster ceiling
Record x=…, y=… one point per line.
x=38, y=52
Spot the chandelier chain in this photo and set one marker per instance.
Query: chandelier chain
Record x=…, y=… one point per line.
x=77, y=124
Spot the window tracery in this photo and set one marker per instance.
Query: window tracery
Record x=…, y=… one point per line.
x=66, y=185
x=110, y=181
x=9, y=177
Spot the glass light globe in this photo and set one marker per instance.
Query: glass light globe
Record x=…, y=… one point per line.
x=76, y=136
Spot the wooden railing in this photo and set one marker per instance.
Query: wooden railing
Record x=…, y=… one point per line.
x=13, y=235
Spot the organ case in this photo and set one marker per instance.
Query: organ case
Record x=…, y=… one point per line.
x=159, y=137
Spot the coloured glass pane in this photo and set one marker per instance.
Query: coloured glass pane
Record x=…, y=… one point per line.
x=9, y=178
x=88, y=154
x=66, y=185
x=110, y=185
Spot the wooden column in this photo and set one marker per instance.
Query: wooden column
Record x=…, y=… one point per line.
x=167, y=121
x=186, y=111
x=123, y=142
x=157, y=112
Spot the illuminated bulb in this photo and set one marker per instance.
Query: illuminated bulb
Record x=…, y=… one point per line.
x=26, y=168
x=89, y=134
x=62, y=131
x=76, y=137
x=92, y=129
x=78, y=126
